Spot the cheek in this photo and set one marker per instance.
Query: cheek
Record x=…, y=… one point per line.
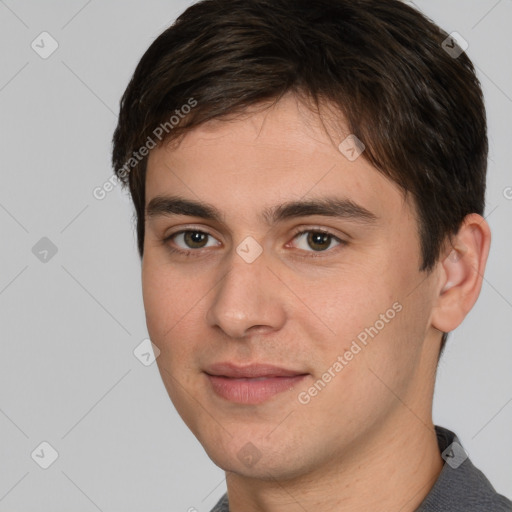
x=174, y=315
x=377, y=329
x=356, y=308
x=167, y=296
x=173, y=325
x=156, y=302
x=367, y=376
x=161, y=318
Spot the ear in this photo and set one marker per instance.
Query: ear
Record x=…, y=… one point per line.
x=461, y=270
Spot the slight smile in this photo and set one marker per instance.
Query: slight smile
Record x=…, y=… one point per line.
x=252, y=384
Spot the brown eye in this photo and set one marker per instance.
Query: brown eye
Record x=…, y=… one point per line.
x=194, y=239
x=189, y=241
x=317, y=240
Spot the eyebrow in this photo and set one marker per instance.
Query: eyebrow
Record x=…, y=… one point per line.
x=328, y=207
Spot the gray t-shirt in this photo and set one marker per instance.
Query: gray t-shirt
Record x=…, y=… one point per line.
x=460, y=487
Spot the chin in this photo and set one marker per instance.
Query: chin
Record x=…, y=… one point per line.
x=247, y=460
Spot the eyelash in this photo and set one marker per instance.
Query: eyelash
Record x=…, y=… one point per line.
x=197, y=252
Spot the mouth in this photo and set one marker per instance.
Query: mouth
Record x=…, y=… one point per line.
x=252, y=384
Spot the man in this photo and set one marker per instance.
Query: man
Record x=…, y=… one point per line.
x=309, y=182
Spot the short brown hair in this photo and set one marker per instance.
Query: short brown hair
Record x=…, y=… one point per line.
x=418, y=109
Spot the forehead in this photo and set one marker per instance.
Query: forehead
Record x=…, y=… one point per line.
x=268, y=156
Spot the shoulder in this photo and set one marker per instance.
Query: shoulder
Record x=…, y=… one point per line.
x=460, y=485
x=222, y=505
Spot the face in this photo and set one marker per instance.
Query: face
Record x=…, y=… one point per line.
x=285, y=332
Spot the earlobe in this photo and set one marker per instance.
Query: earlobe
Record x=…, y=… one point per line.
x=461, y=273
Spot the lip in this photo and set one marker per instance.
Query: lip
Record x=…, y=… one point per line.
x=251, y=384
x=250, y=371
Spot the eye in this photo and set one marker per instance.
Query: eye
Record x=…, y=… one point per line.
x=318, y=239
x=191, y=238
x=189, y=242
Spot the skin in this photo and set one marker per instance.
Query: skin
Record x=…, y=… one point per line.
x=366, y=441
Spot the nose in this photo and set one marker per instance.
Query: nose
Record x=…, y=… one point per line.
x=248, y=298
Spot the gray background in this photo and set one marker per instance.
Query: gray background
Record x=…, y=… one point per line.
x=69, y=324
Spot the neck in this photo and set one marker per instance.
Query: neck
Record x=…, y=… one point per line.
x=393, y=468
